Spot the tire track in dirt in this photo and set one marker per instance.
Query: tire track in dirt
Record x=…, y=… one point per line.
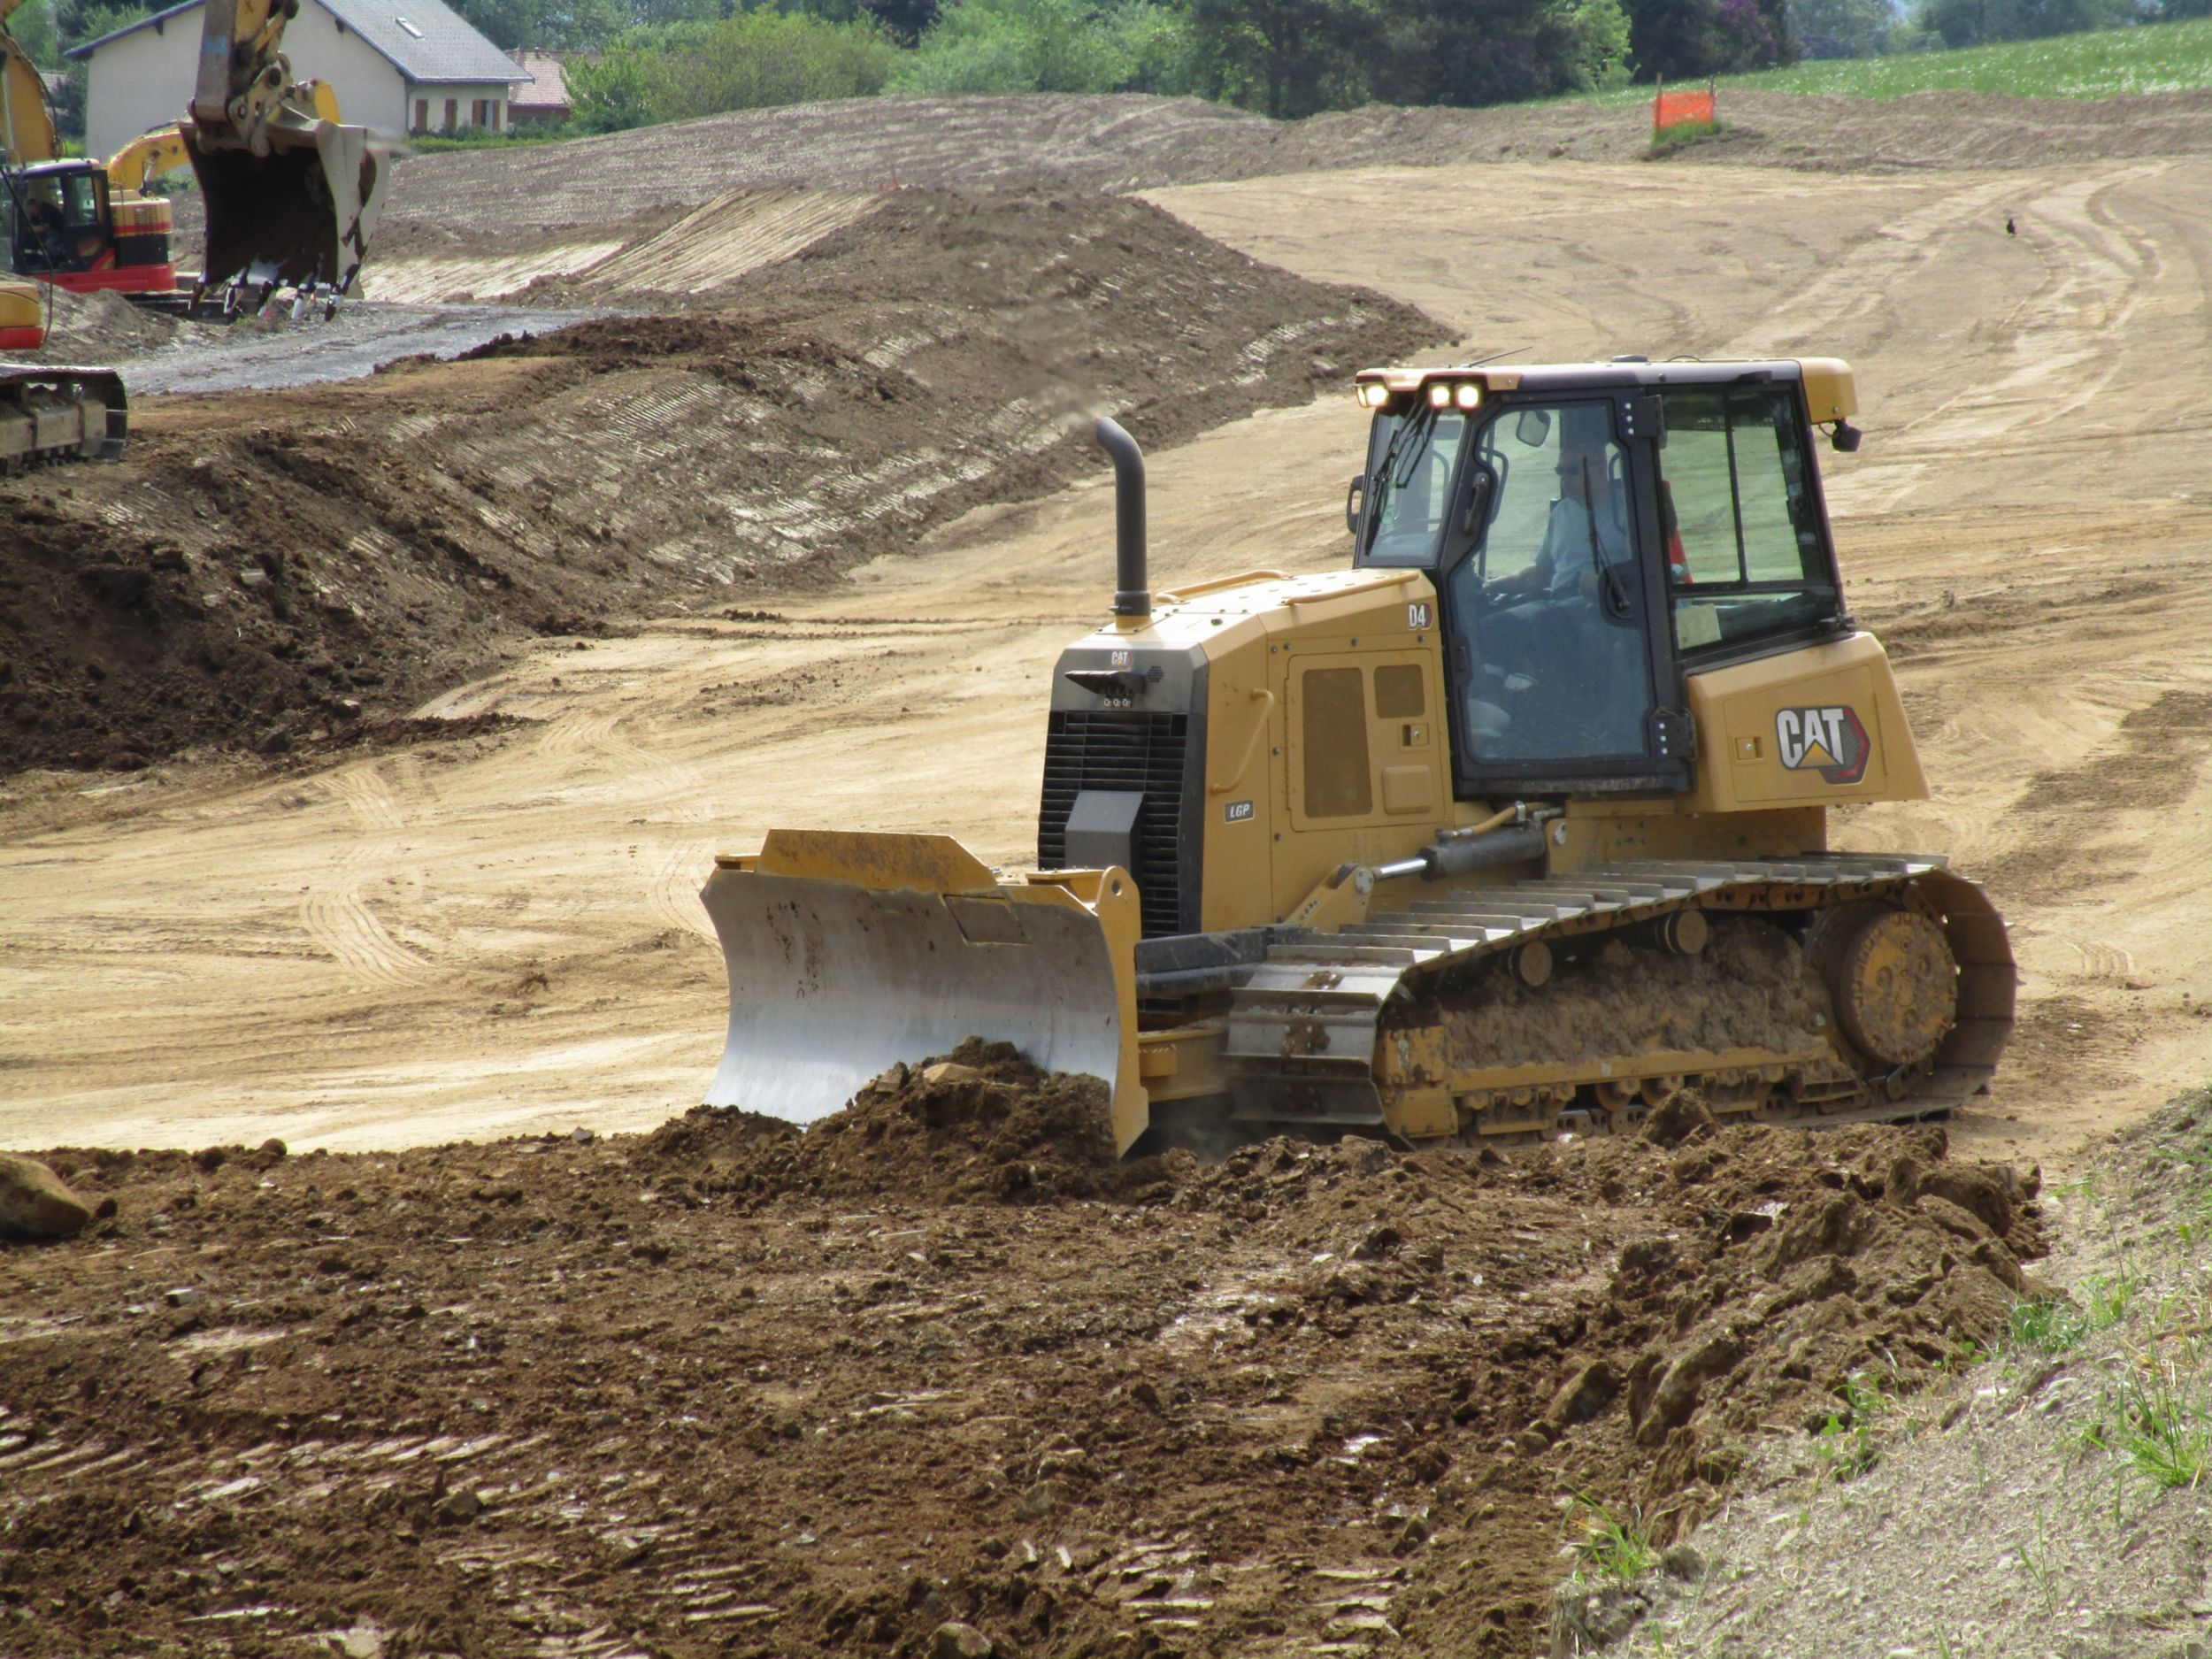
x=335, y=912
x=2069, y=338
x=1848, y=295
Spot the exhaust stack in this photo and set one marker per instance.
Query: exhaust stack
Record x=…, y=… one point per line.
x=1132, y=596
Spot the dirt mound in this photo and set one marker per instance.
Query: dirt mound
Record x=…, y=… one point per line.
x=266, y=574
x=95, y=327
x=980, y=1123
x=1132, y=142
x=730, y=1388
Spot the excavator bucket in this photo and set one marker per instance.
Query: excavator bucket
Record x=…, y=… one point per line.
x=301, y=215
x=848, y=951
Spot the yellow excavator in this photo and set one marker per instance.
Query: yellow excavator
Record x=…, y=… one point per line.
x=291, y=194
x=1516, y=827
x=292, y=197
x=47, y=411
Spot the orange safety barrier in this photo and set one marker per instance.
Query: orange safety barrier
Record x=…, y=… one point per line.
x=1681, y=109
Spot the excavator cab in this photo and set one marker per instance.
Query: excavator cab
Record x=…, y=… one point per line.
x=59, y=219
x=69, y=226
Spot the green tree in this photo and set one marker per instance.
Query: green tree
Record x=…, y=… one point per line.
x=1841, y=28
x=615, y=93
x=902, y=19
x=1049, y=46
x=1688, y=40
x=1287, y=57
x=748, y=61
x=1972, y=22
x=1594, y=46
x=75, y=22
x=1490, y=51
x=33, y=27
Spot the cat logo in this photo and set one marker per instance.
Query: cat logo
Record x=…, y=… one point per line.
x=1123, y=659
x=1830, y=741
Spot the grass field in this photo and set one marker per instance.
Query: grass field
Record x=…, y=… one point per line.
x=2109, y=63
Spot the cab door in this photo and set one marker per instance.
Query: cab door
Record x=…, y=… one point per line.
x=1564, y=677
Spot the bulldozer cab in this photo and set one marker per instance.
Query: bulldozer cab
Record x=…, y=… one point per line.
x=1595, y=536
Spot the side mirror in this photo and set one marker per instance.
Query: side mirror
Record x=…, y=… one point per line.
x=1532, y=427
x=1355, y=501
x=1845, y=437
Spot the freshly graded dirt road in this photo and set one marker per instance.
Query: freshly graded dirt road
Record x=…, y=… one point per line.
x=500, y=933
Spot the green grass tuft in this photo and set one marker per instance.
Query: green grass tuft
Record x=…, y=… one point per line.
x=1848, y=1443
x=1682, y=135
x=2161, y=1421
x=1610, y=1547
x=2058, y=1326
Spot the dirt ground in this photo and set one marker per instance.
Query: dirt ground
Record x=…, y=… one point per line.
x=500, y=931
x=727, y=1389
x=709, y=1386
x=1131, y=143
x=284, y=573
x=2042, y=1503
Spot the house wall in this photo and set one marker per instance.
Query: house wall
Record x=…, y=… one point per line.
x=139, y=82
x=464, y=97
x=145, y=79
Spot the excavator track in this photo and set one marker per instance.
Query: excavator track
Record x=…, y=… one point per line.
x=1850, y=1016
x=51, y=412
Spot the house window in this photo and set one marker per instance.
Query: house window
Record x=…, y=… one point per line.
x=479, y=113
x=422, y=115
x=452, y=114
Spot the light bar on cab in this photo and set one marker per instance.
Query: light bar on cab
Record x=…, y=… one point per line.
x=1383, y=388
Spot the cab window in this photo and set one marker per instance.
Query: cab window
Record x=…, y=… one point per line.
x=1412, y=459
x=1745, y=556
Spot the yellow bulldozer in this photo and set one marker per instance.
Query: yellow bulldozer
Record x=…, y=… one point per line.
x=1516, y=827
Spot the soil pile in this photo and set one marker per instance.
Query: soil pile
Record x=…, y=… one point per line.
x=1132, y=142
x=93, y=328
x=730, y=1388
x=2057, y=1453
x=284, y=570
x=981, y=1122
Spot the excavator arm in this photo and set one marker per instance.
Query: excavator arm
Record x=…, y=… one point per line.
x=27, y=127
x=292, y=194
x=146, y=158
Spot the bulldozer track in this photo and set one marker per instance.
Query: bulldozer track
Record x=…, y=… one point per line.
x=1306, y=1031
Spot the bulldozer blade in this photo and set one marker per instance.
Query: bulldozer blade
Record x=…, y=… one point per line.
x=299, y=216
x=849, y=952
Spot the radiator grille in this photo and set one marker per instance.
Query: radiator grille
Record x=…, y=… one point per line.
x=1121, y=748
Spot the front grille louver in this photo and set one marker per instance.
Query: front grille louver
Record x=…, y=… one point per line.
x=1120, y=749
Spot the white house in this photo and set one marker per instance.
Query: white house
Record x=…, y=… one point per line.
x=397, y=65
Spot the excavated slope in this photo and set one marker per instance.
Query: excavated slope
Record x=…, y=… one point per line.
x=268, y=572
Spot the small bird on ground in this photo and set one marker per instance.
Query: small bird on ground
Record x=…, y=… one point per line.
x=2009, y=231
